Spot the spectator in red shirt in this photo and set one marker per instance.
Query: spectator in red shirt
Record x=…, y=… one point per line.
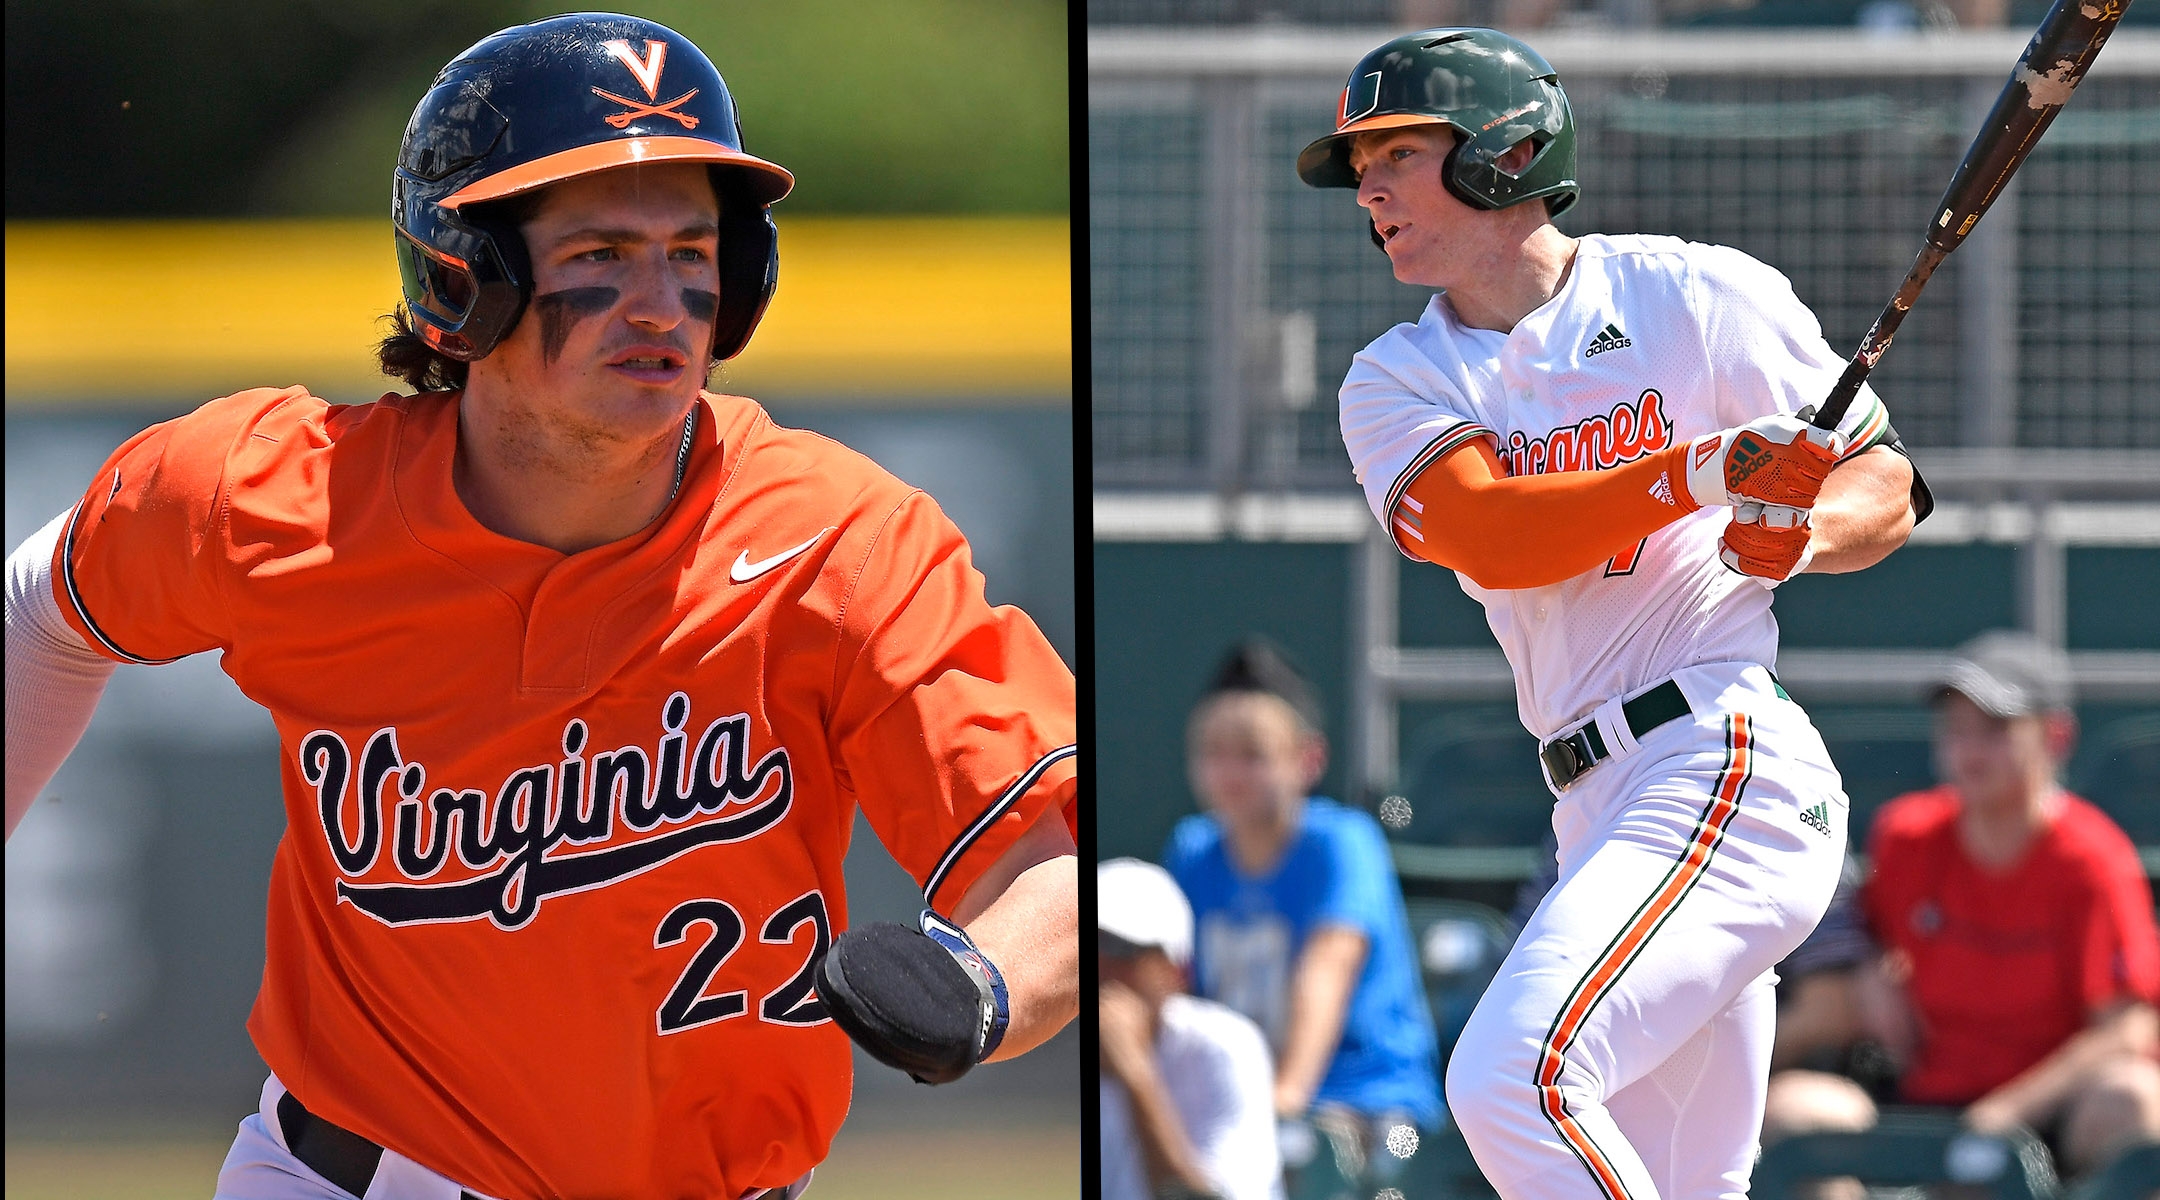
x=2020, y=967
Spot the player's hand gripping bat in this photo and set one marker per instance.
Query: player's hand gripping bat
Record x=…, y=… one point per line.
x=2054, y=61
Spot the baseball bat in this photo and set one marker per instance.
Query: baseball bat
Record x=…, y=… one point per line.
x=2060, y=52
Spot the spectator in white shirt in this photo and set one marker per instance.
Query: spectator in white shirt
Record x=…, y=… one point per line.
x=1187, y=1085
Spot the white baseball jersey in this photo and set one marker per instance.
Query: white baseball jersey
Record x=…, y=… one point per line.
x=1649, y=342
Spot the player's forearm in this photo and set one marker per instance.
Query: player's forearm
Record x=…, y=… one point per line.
x=1031, y=930
x=1882, y=1008
x=53, y=679
x=2034, y=1097
x=1164, y=1144
x=1327, y=974
x=1863, y=514
x=1464, y=513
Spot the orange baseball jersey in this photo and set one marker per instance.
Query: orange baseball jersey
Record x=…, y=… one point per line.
x=564, y=833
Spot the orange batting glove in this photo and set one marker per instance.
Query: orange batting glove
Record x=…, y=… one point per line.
x=1778, y=460
x=1758, y=542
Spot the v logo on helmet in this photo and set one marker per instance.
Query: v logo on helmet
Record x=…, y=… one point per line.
x=647, y=69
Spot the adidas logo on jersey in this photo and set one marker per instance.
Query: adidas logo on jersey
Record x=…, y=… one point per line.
x=1817, y=818
x=1608, y=338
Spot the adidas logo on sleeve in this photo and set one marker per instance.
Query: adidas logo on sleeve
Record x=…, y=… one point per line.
x=1817, y=818
x=1608, y=338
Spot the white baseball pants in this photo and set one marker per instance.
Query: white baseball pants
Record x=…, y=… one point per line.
x=1622, y=1050
x=261, y=1167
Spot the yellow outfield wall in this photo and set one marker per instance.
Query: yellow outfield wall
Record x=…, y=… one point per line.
x=882, y=308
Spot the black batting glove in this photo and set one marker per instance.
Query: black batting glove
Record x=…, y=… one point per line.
x=927, y=1003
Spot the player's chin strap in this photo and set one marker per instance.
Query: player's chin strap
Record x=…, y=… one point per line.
x=989, y=981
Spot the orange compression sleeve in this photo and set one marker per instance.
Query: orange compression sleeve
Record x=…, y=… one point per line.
x=1466, y=513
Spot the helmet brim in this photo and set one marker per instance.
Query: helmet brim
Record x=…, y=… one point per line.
x=767, y=182
x=1326, y=162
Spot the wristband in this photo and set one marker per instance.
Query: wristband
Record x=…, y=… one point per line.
x=996, y=1008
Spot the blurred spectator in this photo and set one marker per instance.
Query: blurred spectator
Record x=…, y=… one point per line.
x=2021, y=966
x=1817, y=1018
x=1501, y=14
x=1819, y=1032
x=1187, y=1087
x=1875, y=16
x=1301, y=921
x=1519, y=15
x=1978, y=14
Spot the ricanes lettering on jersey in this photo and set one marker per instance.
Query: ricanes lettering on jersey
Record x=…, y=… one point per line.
x=1594, y=443
x=565, y=834
x=1651, y=341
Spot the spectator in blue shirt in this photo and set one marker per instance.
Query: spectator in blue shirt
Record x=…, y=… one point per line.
x=1300, y=917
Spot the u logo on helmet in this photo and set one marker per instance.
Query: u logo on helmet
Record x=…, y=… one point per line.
x=1358, y=87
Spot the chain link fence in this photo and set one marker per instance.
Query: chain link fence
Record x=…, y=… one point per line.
x=1228, y=298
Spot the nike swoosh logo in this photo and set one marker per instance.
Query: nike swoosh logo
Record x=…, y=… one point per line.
x=744, y=570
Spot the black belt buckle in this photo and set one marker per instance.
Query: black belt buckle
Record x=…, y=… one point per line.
x=1566, y=758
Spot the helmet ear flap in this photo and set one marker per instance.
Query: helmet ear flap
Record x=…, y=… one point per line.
x=749, y=262
x=466, y=278
x=497, y=224
x=1475, y=160
x=1465, y=159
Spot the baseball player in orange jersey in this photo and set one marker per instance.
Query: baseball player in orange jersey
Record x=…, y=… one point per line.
x=1604, y=438
x=579, y=674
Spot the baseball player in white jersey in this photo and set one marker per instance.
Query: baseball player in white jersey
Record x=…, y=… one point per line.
x=1599, y=436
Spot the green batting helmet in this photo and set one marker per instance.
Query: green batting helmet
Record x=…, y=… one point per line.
x=1485, y=85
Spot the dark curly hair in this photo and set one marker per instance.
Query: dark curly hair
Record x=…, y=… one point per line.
x=405, y=356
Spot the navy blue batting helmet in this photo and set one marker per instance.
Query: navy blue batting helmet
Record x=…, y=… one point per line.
x=536, y=104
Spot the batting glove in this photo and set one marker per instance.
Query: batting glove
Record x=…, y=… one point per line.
x=1777, y=461
x=1757, y=548
x=927, y=1003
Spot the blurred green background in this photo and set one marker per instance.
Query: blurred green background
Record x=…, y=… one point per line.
x=295, y=107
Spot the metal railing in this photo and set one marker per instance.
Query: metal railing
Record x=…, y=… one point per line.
x=2043, y=515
